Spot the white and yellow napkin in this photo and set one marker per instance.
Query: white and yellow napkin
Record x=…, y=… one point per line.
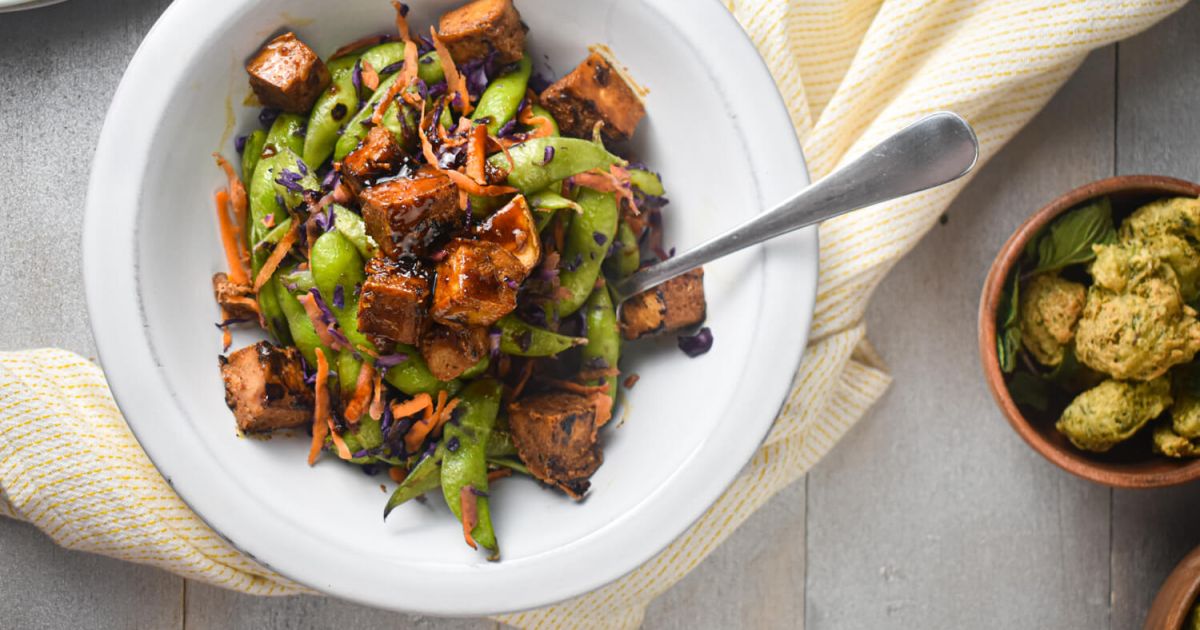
x=852, y=72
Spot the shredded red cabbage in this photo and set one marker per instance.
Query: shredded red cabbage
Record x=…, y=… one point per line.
x=452, y=444
x=548, y=155
x=356, y=78
x=599, y=238
x=267, y=116
x=393, y=67
x=390, y=360
x=339, y=111
x=339, y=297
x=290, y=180
x=239, y=144
x=479, y=493
x=697, y=344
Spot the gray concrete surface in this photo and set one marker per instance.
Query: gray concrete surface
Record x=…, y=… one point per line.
x=930, y=514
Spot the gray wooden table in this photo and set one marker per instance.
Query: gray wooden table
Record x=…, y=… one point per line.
x=930, y=514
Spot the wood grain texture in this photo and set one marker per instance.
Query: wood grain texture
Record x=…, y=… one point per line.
x=1158, y=131
x=932, y=513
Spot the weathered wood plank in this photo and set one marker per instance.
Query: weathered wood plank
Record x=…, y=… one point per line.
x=933, y=513
x=754, y=580
x=1157, y=132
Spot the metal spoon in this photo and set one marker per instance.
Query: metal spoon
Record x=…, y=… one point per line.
x=935, y=150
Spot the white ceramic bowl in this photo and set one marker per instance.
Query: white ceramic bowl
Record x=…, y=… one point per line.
x=717, y=129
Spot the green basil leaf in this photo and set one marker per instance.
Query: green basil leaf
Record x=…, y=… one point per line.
x=1070, y=238
x=1008, y=341
x=1030, y=391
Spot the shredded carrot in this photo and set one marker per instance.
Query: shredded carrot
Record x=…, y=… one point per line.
x=402, y=21
x=387, y=100
x=604, y=407
x=426, y=146
x=607, y=182
x=370, y=78
x=589, y=375
x=226, y=336
x=398, y=473
x=277, y=256
x=318, y=321
x=631, y=380
x=474, y=188
x=376, y=409
x=419, y=403
x=269, y=221
x=507, y=155
x=455, y=83
x=576, y=388
x=435, y=418
x=477, y=154
x=540, y=126
x=362, y=393
x=343, y=451
x=237, y=193
x=499, y=474
x=359, y=44
x=526, y=372
x=470, y=513
x=229, y=240
x=320, y=428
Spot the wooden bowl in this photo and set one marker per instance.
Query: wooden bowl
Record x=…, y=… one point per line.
x=1176, y=596
x=1129, y=465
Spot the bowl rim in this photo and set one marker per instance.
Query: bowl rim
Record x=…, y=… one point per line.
x=114, y=299
x=1177, y=595
x=1074, y=462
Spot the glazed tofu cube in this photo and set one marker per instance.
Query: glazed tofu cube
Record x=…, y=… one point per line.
x=475, y=29
x=556, y=436
x=265, y=388
x=238, y=300
x=476, y=284
x=452, y=350
x=378, y=156
x=594, y=91
x=394, y=303
x=512, y=227
x=410, y=215
x=675, y=304
x=287, y=74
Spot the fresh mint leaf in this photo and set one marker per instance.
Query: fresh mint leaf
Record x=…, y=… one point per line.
x=1008, y=340
x=1030, y=391
x=1070, y=238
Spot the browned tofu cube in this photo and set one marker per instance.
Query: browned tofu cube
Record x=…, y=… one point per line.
x=238, y=300
x=287, y=74
x=476, y=284
x=595, y=91
x=377, y=157
x=475, y=29
x=675, y=304
x=513, y=228
x=265, y=388
x=410, y=215
x=555, y=435
x=394, y=303
x=452, y=350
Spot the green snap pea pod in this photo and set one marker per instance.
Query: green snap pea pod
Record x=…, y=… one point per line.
x=503, y=96
x=287, y=132
x=511, y=463
x=354, y=229
x=384, y=55
x=277, y=233
x=465, y=467
x=355, y=130
x=332, y=109
x=530, y=172
x=546, y=203
x=500, y=444
x=421, y=479
x=520, y=339
x=302, y=281
x=478, y=369
x=364, y=436
x=587, y=242
x=251, y=152
x=304, y=336
x=604, y=337
x=413, y=376
x=647, y=182
x=626, y=256
x=429, y=68
x=262, y=202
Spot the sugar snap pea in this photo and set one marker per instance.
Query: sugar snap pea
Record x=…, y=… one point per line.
x=626, y=256
x=538, y=110
x=531, y=173
x=355, y=130
x=647, y=182
x=478, y=369
x=603, y=349
x=263, y=203
x=354, y=229
x=304, y=336
x=332, y=109
x=251, y=152
x=521, y=339
x=421, y=479
x=503, y=96
x=429, y=68
x=546, y=203
x=587, y=242
x=287, y=132
x=464, y=465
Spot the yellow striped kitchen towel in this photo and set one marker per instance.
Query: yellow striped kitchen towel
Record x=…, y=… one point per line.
x=852, y=72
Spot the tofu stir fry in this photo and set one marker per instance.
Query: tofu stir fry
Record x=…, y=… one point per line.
x=428, y=238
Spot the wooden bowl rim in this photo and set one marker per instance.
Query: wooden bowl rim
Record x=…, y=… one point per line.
x=1071, y=460
x=1176, y=596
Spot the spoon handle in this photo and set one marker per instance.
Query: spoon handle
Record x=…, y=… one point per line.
x=935, y=150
